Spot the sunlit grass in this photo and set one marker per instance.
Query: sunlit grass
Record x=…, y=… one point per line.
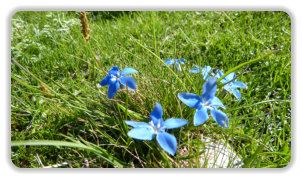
x=55, y=94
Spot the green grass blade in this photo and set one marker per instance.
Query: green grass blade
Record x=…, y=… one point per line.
x=246, y=63
x=248, y=162
x=110, y=159
x=131, y=113
x=161, y=61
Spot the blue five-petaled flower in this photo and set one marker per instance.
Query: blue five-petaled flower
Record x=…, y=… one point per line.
x=208, y=101
x=231, y=84
x=204, y=71
x=175, y=62
x=157, y=126
x=116, y=78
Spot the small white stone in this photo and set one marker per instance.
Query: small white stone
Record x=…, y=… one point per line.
x=217, y=154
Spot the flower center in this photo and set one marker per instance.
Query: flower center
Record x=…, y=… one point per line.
x=113, y=78
x=206, y=103
x=157, y=128
x=116, y=77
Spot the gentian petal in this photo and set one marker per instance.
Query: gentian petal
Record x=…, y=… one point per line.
x=182, y=61
x=141, y=133
x=223, y=80
x=208, y=68
x=170, y=61
x=197, y=66
x=168, y=142
x=239, y=84
x=137, y=124
x=230, y=77
x=236, y=93
x=129, y=82
x=113, y=87
x=105, y=81
x=220, y=74
x=205, y=72
x=114, y=71
x=200, y=116
x=205, y=75
x=209, y=88
x=127, y=71
x=228, y=88
x=217, y=103
x=220, y=117
x=194, y=70
x=175, y=123
x=156, y=114
x=190, y=99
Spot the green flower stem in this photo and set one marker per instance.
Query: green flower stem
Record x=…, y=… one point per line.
x=94, y=58
x=246, y=63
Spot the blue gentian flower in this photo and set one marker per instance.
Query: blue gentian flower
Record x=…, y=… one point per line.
x=204, y=71
x=175, y=62
x=157, y=126
x=116, y=78
x=231, y=85
x=208, y=101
